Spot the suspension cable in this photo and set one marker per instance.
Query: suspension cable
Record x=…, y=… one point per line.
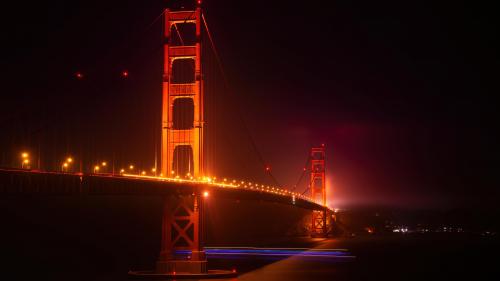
x=226, y=82
x=155, y=20
x=307, y=189
x=178, y=34
x=304, y=172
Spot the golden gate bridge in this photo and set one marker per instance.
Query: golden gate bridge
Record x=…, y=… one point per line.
x=182, y=179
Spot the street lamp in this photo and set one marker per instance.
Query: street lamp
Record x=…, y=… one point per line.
x=25, y=160
x=65, y=165
x=104, y=164
x=96, y=169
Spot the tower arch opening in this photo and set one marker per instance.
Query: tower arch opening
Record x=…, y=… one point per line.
x=183, y=71
x=183, y=34
x=183, y=162
x=183, y=114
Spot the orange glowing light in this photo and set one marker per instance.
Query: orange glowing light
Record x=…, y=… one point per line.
x=24, y=155
x=205, y=194
x=69, y=160
x=104, y=164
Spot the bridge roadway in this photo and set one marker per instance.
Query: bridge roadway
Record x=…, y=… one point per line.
x=31, y=182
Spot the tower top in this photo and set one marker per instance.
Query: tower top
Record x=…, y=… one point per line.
x=184, y=5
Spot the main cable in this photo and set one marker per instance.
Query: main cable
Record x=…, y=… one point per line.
x=304, y=171
x=226, y=82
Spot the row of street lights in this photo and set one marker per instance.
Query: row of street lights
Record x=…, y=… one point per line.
x=98, y=168
x=65, y=167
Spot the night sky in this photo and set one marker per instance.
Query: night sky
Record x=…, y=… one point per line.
x=400, y=92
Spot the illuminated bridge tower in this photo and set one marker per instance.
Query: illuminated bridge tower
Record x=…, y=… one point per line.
x=182, y=143
x=319, y=225
x=182, y=111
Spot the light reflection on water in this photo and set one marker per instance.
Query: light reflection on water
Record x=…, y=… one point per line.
x=264, y=264
x=254, y=253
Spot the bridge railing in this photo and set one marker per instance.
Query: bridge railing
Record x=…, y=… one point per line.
x=17, y=181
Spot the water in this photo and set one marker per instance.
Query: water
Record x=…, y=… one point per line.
x=52, y=238
x=394, y=257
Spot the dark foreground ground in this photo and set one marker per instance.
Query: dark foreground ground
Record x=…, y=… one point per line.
x=401, y=257
x=101, y=239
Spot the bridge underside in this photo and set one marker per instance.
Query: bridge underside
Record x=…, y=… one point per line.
x=108, y=234
x=233, y=216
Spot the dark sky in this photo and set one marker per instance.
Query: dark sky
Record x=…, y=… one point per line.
x=400, y=92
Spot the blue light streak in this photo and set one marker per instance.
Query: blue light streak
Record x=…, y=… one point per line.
x=213, y=252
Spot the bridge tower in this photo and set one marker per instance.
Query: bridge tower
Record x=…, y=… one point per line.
x=319, y=225
x=182, y=142
x=182, y=149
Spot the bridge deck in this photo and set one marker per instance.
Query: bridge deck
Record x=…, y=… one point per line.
x=26, y=182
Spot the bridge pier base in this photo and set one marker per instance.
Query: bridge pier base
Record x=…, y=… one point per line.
x=174, y=266
x=182, y=255
x=182, y=235
x=322, y=223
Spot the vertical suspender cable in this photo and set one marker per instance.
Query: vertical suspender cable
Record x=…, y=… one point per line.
x=226, y=82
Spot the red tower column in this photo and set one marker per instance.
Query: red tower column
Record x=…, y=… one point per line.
x=318, y=191
x=182, y=254
x=182, y=148
x=182, y=141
